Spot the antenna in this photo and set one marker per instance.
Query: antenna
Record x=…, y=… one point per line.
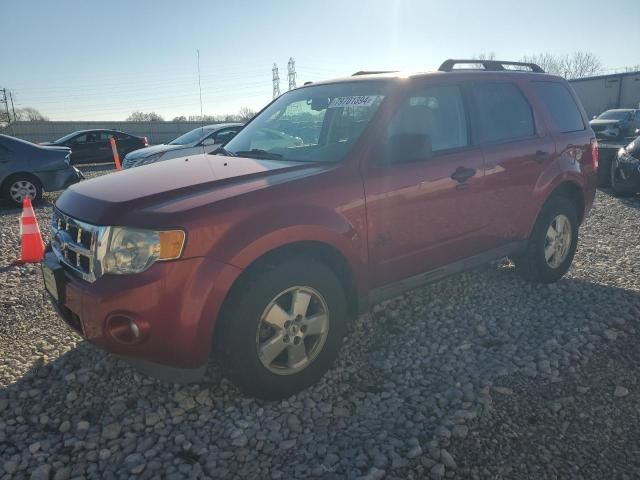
x=276, y=81
x=200, y=88
x=291, y=73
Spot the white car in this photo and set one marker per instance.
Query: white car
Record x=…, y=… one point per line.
x=199, y=141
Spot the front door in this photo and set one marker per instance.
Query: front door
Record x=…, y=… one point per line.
x=425, y=187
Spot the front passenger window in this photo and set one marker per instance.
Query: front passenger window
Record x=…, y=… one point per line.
x=431, y=120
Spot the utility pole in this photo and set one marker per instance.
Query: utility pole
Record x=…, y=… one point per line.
x=291, y=73
x=276, y=81
x=200, y=88
x=13, y=107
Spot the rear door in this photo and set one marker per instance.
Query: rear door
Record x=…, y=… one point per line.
x=517, y=150
x=80, y=149
x=425, y=208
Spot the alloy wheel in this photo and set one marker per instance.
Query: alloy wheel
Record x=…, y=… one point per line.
x=293, y=330
x=557, y=241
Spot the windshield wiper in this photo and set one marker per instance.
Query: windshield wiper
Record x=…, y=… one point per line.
x=222, y=151
x=258, y=153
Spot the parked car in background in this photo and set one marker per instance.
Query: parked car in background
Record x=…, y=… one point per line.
x=269, y=138
x=195, y=142
x=617, y=123
x=26, y=169
x=625, y=170
x=94, y=146
x=263, y=257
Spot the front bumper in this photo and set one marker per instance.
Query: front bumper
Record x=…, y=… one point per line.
x=177, y=302
x=59, y=179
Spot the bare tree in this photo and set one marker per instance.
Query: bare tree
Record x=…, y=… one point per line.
x=29, y=114
x=484, y=56
x=576, y=65
x=144, y=117
x=181, y=118
x=245, y=114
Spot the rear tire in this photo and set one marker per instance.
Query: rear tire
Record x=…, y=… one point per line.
x=618, y=185
x=21, y=185
x=275, y=310
x=552, y=244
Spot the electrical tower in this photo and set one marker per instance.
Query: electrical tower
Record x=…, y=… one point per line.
x=276, y=81
x=4, y=99
x=291, y=73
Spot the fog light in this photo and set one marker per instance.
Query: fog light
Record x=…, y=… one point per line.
x=125, y=329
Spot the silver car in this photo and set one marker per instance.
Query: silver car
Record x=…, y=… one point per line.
x=26, y=169
x=199, y=141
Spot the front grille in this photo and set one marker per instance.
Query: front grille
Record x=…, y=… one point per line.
x=75, y=244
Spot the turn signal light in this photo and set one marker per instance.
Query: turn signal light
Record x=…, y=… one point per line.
x=171, y=243
x=594, y=154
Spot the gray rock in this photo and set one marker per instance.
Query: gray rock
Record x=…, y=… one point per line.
x=621, y=391
x=447, y=459
x=42, y=472
x=437, y=471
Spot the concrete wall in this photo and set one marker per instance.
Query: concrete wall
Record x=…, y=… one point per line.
x=156, y=132
x=621, y=90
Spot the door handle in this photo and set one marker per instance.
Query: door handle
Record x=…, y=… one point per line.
x=462, y=174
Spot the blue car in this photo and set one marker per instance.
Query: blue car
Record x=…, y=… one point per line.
x=27, y=169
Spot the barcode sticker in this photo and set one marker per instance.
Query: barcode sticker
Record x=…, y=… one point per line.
x=354, y=101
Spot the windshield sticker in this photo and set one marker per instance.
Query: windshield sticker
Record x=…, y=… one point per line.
x=354, y=101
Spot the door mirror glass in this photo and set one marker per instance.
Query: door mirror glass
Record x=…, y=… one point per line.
x=209, y=141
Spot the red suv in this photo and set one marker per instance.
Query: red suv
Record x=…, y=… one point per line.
x=263, y=251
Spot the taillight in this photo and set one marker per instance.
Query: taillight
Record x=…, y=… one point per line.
x=146, y=142
x=594, y=154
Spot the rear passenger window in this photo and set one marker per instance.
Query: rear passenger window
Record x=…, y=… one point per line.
x=503, y=112
x=561, y=106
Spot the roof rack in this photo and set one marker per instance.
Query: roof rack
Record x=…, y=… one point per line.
x=372, y=72
x=489, y=65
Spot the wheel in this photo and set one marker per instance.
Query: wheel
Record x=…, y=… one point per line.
x=282, y=328
x=20, y=186
x=552, y=243
x=620, y=186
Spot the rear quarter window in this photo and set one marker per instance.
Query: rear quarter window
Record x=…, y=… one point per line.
x=561, y=105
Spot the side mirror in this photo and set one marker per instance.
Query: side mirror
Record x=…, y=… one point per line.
x=637, y=132
x=404, y=148
x=594, y=117
x=208, y=141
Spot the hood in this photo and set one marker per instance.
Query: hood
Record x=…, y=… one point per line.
x=142, y=196
x=147, y=151
x=604, y=122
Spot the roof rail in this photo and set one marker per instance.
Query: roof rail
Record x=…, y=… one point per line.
x=490, y=65
x=372, y=72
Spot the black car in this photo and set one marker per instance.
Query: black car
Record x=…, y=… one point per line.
x=93, y=146
x=26, y=169
x=625, y=170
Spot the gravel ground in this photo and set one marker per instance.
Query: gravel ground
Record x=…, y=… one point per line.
x=480, y=375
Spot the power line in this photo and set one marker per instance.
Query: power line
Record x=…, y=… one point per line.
x=276, y=81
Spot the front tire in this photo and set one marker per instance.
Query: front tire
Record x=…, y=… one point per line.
x=620, y=187
x=552, y=243
x=20, y=186
x=282, y=328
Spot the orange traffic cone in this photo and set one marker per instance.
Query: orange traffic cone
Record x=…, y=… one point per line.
x=32, y=244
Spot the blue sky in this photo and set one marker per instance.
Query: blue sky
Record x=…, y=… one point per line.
x=89, y=60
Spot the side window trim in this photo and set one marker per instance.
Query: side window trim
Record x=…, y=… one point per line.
x=476, y=121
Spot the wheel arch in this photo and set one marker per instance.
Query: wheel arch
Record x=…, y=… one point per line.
x=319, y=251
x=573, y=192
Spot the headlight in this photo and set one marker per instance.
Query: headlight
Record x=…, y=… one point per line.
x=132, y=250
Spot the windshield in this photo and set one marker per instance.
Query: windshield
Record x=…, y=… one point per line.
x=188, y=138
x=69, y=136
x=311, y=124
x=614, y=115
